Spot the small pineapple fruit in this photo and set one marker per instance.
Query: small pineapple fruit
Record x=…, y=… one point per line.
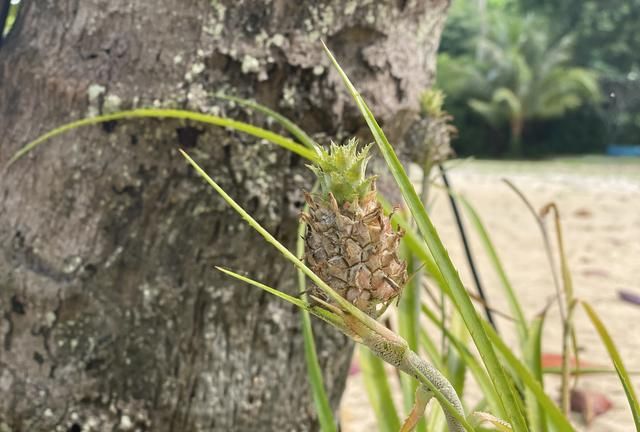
x=428, y=139
x=350, y=243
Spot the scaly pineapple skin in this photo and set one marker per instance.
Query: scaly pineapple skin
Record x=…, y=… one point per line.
x=353, y=249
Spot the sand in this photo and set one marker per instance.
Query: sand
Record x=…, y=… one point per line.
x=599, y=202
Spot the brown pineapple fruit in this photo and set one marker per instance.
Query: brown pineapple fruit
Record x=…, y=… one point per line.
x=350, y=243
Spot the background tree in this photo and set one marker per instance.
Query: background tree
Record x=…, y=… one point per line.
x=528, y=77
x=523, y=73
x=607, y=40
x=112, y=314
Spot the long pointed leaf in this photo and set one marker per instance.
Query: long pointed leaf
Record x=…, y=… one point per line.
x=617, y=362
x=379, y=391
x=323, y=314
x=529, y=381
x=514, y=303
x=478, y=372
x=533, y=358
x=171, y=113
x=409, y=329
x=290, y=126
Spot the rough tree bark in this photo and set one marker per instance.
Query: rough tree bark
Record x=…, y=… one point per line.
x=112, y=316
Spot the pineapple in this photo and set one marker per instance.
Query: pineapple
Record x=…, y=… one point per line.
x=429, y=137
x=350, y=243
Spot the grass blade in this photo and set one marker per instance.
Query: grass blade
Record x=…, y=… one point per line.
x=555, y=415
x=171, y=113
x=586, y=371
x=500, y=425
x=533, y=359
x=545, y=240
x=429, y=346
x=568, y=334
x=514, y=304
x=456, y=365
x=284, y=296
x=478, y=372
x=323, y=314
x=289, y=126
x=409, y=329
x=441, y=257
x=378, y=391
x=467, y=247
x=320, y=399
x=617, y=362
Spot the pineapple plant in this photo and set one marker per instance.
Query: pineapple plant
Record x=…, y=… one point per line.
x=350, y=243
x=430, y=136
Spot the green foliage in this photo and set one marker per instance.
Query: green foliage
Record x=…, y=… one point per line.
x=258, y=132
x=617, y=362
x=11, y=17
x=379, y=392
x=606, y=33
x=607, y=40
x=520, y=74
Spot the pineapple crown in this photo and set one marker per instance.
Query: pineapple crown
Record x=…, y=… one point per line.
x=431, y=102
x=342, y=171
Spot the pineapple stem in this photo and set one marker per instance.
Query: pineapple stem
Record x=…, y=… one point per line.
x=395, y=351
x=430, y=378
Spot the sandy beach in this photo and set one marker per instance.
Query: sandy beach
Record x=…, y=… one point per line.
x=599, y=202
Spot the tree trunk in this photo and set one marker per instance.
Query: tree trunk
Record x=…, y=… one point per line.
x=515, y=144
x=113, y=317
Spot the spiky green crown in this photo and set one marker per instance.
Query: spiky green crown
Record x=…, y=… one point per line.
x=431, y=102
x=342, y=171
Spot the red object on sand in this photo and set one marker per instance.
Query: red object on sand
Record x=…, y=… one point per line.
x=555, y=361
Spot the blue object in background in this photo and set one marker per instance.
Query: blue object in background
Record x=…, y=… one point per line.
x=623, y=150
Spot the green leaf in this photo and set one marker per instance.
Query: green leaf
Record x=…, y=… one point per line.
x=586, y=371
x=379, y=391
x=460, y=297
x=533, y=359
x=556, y=417
x=171, y=113
x=478, y=372
x=293, y=300
x=456, y=364
x=429, y=347
x=409, y=329
x=617, y=362
x=514, y=304
x=289, y=126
